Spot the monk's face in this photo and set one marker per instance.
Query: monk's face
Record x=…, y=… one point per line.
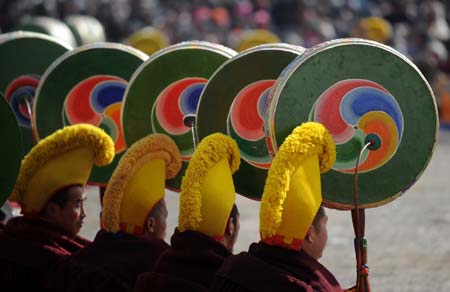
x=161, y=226
x=316, y=238
x=231, y=233
x=70, y=217
x=157, y=224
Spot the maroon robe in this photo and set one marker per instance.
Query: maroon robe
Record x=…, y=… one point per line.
x=189, y=265
x=271, y=268
x=28, y=248
x=111, y=263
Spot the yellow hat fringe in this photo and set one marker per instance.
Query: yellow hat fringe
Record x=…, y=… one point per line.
x=305, y=140
x=209, y=152
x=61, y=141
x=154, y=146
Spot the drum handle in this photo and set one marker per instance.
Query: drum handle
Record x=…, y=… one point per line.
x=358, y=219
x=30, y=113
x=189, y=121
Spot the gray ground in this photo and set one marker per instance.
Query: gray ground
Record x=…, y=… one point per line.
x=407, y=239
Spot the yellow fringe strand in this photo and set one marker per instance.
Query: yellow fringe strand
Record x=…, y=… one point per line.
x=210, y=151
x=305, y=140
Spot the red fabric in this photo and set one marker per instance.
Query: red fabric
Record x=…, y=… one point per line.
x=111, y=263
x=28, y=248
x=278, y=240
x=189, y=265
x=271, y=268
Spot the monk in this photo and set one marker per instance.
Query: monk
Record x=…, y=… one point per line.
x=292, y=222
x=51, y=196
x=134, y=223
x=208, y=223
x=279, y=269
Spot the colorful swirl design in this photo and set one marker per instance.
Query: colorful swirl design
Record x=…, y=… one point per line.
x=97, y=100
x=177, y=100
x=351, y=110
x=245, y=122
x=20, y=95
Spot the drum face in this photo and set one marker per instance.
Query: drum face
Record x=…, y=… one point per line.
x=10, y=150
x=87, y=85
x=165, y=89
x=234, y=102
x=356, y=88
x=25, y=57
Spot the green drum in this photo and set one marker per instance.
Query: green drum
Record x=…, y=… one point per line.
x=165, y=89
x=49, y=26
x=86, y=29
x=24, y=57
x=10, y=150
x=360, y=91
x=87, y=85
x=238, y=108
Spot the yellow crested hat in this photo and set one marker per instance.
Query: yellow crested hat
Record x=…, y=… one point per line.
x=256, y=37
x=207, y=190
x=63, y=158
x=138, y=183
x=292, y=193
x=148, y=40
x=374, y=28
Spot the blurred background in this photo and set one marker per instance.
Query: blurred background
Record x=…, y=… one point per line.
x=418, y=29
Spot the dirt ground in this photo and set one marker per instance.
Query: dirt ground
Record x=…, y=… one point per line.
x=408, y=239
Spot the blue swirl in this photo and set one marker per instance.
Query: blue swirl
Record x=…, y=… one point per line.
x=362, y=100
x=189, y=98
x=262, y=103
x=107, y=93
x=17, y=99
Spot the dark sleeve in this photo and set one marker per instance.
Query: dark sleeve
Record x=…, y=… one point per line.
x=225, y=285
x=70, y=276
x=155, y=282
x=247, y=273
x=17, y=277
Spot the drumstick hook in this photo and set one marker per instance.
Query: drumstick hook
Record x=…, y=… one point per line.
x=189, y=121
x=358, y=217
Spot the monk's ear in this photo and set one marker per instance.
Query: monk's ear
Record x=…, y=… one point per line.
x=231, y=227
x=309, y=237
x=151, y=224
